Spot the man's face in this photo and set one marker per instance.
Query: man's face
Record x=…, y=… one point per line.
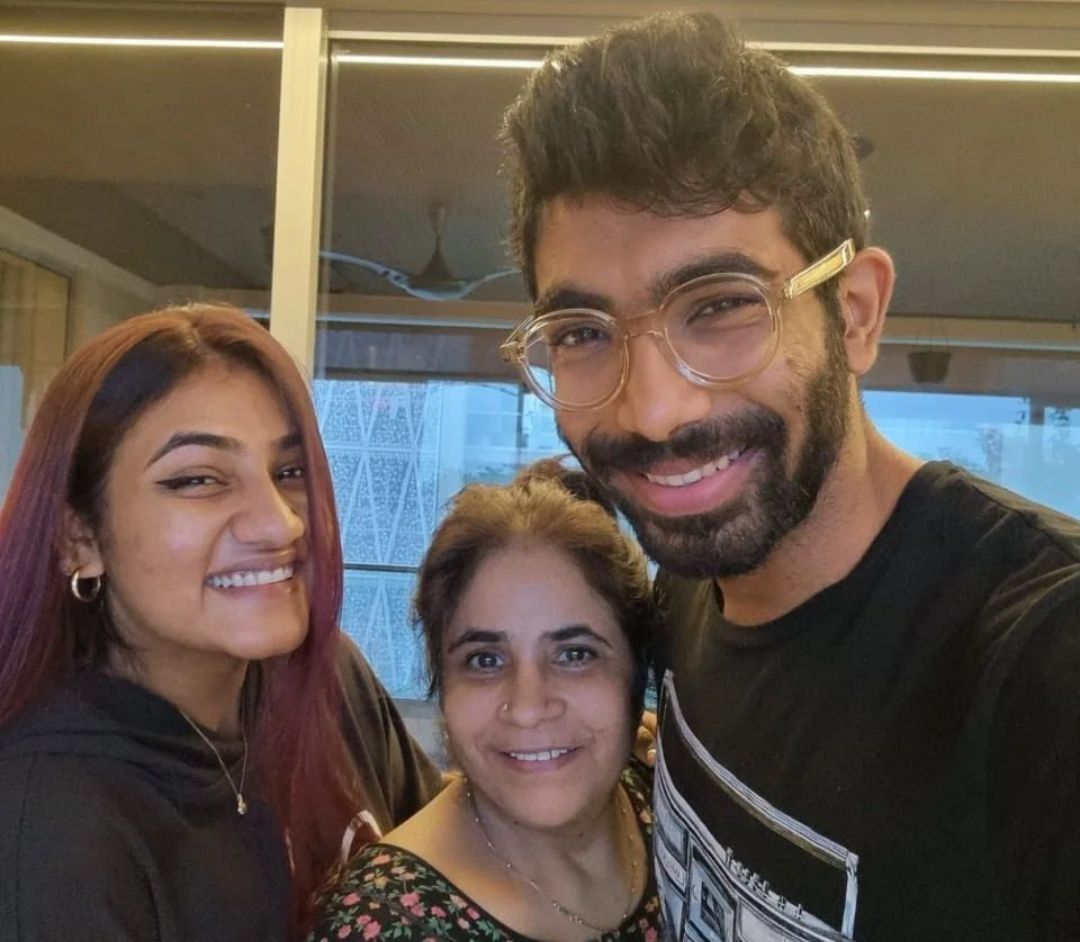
x=711, y=480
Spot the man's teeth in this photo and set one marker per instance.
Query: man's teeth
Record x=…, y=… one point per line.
x=694, y=474
x=546, y=756
x=236, y=580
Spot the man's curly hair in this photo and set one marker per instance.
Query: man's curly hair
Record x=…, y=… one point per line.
x=675, y=115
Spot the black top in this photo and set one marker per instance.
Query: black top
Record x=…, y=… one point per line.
x=390, y=893
x=117, y=823
x=898, y=758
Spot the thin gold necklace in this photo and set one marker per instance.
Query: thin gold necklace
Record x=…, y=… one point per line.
x=562, y=910
x=241, y=805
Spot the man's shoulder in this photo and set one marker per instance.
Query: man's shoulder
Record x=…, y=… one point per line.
x=973, y=510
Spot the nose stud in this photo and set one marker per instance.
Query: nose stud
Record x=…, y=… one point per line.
x=504, y=707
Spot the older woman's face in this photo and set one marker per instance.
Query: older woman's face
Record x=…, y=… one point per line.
x=537, y=676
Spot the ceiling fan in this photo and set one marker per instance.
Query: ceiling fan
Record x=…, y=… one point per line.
x=435, y=282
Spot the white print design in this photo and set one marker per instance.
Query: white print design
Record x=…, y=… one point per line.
x=707, y=894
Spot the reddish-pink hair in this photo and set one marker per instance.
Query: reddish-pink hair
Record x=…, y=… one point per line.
x=299, y=755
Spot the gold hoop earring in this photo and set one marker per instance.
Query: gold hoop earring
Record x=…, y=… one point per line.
x=92, y=594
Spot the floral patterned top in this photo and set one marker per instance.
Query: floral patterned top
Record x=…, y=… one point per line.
x=391, y=894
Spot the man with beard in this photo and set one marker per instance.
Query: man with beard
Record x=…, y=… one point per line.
x=870, y=700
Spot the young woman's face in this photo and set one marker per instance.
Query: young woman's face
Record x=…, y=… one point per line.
x=202, y=543
x=537, y=677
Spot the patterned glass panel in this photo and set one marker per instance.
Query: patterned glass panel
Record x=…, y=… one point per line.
x=398, y=452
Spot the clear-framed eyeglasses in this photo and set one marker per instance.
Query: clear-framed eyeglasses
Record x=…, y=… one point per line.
x=718, y=330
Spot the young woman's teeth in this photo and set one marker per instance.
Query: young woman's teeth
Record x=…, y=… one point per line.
x=694, y=474
x=236, y=580
x=546, y=756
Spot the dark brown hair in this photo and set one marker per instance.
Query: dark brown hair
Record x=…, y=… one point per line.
x=550, y=506
x=675, y=115
x=298, y=751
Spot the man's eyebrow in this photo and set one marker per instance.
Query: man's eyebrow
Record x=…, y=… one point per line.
x=571, y=632
x=202, y=439
x=564, y=295
x=721, y=263
x=474, y=636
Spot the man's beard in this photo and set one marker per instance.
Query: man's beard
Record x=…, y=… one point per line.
x=739, y=536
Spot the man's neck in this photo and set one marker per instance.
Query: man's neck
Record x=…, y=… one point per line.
x=856, y=500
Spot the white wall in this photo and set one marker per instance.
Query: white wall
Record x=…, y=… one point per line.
x=101, y=294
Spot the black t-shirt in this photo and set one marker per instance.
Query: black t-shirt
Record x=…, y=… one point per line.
x=118, y=825
x=895, y=760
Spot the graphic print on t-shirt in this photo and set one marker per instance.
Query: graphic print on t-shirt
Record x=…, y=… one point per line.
x=708, y=894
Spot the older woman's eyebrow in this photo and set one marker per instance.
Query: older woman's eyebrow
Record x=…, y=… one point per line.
x=573, y=632
x=476, y=636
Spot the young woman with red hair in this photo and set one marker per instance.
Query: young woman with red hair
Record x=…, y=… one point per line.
x=185, y=735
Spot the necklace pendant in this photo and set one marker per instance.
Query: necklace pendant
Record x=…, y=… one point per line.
x=241, y=805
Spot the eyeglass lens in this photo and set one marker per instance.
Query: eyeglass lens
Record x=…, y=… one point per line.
x=720, y=329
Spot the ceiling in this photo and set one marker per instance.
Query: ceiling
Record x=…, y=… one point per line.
x=163, y=162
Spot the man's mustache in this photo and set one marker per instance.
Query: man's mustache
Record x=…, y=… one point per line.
x=706, y=440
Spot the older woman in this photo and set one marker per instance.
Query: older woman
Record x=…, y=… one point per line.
x=537, y=612
x=173, y=761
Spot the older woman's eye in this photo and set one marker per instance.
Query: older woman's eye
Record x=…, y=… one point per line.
x=576, y=656
x=483, y=661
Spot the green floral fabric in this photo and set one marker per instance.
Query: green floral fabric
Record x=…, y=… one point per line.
x=390, y=894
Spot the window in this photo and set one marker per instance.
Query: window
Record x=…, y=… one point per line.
x=131, y=176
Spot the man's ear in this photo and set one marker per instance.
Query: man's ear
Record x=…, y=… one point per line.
x=79, y=547
x=865, y=289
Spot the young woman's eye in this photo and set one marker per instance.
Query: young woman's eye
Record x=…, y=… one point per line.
x=292, y=472
x=576, y=656
x=189, y=482
x=483, y=661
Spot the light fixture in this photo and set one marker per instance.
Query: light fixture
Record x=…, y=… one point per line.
x=812, y=71
x=495, y=62
x=942, y=75
x=140, y=42
x=450, y=62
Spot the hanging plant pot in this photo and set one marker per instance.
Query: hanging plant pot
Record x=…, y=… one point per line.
x=929, y=366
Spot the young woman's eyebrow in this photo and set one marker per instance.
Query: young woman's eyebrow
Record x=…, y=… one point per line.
x=203, y=439
x=220, y=442
x=291, y=440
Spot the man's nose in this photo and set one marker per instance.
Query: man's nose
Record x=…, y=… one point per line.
x=657, y=399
